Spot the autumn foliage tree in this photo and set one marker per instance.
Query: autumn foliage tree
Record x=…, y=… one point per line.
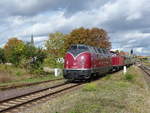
x=94, y=37
x=14, y=50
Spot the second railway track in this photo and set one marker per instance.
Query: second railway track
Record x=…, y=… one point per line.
x=10, y=104
x=7, y=87
x=145, y=69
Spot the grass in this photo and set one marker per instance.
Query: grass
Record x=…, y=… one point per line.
x=147, y=63
x=90, y=87
x=10, y=75
x=116, y=94
x=28, y=80
x=14, y=71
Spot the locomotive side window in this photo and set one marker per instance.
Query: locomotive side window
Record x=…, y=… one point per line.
x=99, y=50
x=96, y=51
x=107, y=53
x=104, y=51
x=92, y=50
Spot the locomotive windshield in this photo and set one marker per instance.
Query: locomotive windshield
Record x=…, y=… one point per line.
x=76, y=49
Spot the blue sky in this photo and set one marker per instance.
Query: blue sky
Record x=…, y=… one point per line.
x=126, y=21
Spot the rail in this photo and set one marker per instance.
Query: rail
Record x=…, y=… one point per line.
x=145, y=69
x=15, y=102
x=6, y=87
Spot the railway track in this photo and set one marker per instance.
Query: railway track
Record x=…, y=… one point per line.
x=11, y=105
x=145, y=69
x=6, y=87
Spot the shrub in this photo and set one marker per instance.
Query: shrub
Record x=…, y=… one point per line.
x=18, y=73
x=128, y=77
x=38, y=71
x=52, y=62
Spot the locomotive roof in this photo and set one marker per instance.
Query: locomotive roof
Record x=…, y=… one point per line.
x=79, y=45
x=85, y=45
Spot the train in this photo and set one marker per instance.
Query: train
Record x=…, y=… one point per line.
x=82, y=62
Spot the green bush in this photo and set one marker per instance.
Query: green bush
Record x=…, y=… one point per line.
x=128, y=77
x=52, y=62
x=38, y=71
x=18, y=73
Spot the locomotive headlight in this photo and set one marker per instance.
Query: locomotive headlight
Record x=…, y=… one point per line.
x=83, y=61
x=67, y=62
x=82, y=58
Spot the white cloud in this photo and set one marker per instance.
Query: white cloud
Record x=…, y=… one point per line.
x=40, y=38
x=139, y=50
x=123, y=19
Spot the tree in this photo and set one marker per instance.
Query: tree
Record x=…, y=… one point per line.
x=55, y=48
x=2, y=57
x=30, y=50
x=14, y=50
x=55, y=44
x=37, y=60
x=94, y=37
x=77, y=36
x=99, y=38
x=32, y=57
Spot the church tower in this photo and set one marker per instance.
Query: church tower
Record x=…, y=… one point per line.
x=32, y=40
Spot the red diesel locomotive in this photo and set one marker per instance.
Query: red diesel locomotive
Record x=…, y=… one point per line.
x=83, y=62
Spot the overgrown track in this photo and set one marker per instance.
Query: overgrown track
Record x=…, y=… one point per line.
x=145, y=69
x=26, y=84
x=11, y=104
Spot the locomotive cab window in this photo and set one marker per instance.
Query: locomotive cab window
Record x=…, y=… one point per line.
x=76, y=49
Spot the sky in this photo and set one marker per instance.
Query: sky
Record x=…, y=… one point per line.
x=126, y=21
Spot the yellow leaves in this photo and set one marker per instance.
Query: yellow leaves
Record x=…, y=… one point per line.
x=94, y=37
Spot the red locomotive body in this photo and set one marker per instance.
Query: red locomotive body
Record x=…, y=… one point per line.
x=82, y=62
